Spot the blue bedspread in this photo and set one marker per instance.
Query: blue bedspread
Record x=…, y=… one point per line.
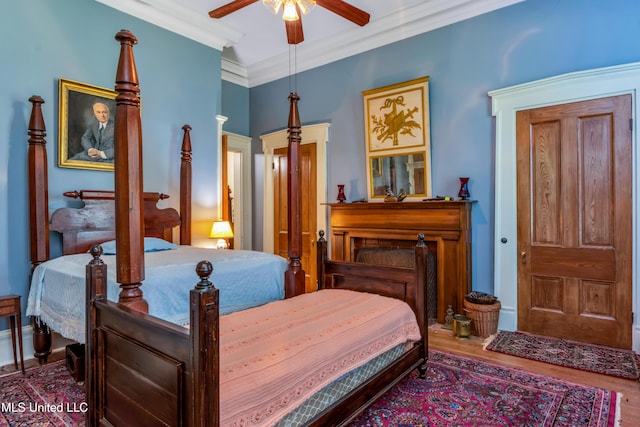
x=245, y=279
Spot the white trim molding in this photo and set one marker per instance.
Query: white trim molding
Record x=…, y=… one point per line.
x=566, y=88
x=242, y=144
x=220, y=119
x=318, y=134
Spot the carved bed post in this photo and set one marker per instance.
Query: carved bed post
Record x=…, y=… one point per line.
x=321, y=257
x=38, y=213
x=421, y=251
x=185, y=188
x=96, y=285
x=294, y=276
x=204, y=339
x=128, y=178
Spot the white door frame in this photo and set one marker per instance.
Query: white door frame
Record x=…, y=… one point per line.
x=242, y=197
x=572, y=87
x=318, y=134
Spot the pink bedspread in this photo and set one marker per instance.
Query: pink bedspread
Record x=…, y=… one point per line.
x=275, y=356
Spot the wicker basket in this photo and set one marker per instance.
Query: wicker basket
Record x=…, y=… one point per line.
x=484, y=316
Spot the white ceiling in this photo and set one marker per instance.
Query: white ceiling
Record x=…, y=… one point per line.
x=254, y=44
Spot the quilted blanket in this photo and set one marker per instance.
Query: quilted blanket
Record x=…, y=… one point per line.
x=275, y=356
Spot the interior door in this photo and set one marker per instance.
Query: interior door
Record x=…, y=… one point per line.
x=309, y=209
x=575, y=221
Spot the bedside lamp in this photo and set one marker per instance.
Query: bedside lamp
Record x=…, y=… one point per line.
x=221, y=230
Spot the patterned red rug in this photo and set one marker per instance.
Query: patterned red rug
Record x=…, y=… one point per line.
x=464, y=392
x=45, y=396
x=458, y=391
x=587, y=357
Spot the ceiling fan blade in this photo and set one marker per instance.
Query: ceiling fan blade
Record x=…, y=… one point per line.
x=347, y=11
x=230, y=7
x=294, y=31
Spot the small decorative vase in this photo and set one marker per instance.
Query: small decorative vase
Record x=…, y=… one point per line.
x=341, y=196
x=464, y=189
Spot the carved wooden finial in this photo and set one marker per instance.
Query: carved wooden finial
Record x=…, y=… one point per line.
x=37, y=130
x=186, y=143
x=96, y=253
x=204, y=269
x=321, y=233
x=127, y=74
x=421, y=240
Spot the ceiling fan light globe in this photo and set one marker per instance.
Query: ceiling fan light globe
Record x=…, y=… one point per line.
x=290, y=13
x=306, y=5
x=273, y=5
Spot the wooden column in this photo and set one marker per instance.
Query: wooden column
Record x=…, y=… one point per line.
x=128, y=178
x=185, y=188
x=294, y=276
x=39, y=213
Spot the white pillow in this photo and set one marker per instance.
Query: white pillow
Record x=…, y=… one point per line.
x=151, y=244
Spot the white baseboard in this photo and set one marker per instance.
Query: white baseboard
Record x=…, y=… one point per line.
x=6, y=355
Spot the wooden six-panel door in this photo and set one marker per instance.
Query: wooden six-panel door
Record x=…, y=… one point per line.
x=308, y=212
x=575, y=221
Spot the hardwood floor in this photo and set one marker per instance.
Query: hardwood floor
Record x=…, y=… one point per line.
x=440, y=339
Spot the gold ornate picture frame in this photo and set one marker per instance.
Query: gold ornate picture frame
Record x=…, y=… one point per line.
x=81, y=142
x=397, y=140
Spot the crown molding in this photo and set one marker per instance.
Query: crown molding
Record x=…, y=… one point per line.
x=180, y=20
x=423, y=18
x=234, y=73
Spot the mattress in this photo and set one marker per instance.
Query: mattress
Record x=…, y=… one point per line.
x=245, y=279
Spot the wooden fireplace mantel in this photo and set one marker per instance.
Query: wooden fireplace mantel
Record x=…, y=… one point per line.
x=447, y=223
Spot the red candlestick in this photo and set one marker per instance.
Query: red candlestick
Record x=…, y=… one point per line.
x=341, y=196
x=464, y=188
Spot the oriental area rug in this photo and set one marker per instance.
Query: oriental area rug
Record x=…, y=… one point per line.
x=44, y=396
x=587, y=357
x=457, y=391
x=464, y=392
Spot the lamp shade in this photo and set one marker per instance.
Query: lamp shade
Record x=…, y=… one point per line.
x=221, y=230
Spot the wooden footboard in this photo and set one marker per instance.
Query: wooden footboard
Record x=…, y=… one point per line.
x=406, y=284
x=142, y=370
x=146, y=371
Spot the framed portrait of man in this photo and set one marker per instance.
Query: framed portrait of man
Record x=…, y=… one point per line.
x=86, y=117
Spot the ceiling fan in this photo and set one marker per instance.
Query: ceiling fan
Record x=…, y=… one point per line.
x=292, y=11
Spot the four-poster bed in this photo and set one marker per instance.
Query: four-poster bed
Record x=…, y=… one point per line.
x=143, y=370
x=57, y=296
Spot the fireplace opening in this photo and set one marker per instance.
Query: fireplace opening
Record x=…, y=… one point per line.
x=400, y=253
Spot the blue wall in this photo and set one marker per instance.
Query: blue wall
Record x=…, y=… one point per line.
x=518, y=44
x=235, y=107
x=43, y=41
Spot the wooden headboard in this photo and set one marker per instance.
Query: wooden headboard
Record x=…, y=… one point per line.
x=94, y=222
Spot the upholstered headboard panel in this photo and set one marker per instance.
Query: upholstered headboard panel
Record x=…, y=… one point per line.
x=397, y=257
